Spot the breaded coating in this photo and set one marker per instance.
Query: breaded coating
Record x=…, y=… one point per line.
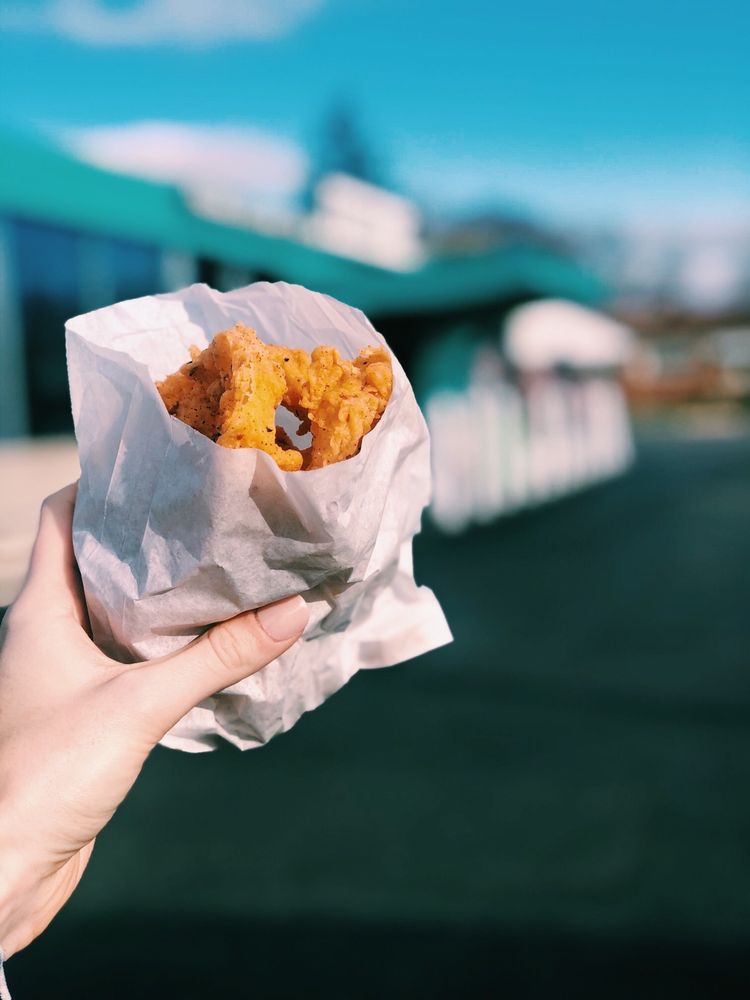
x=194, y=392
x=231, y=390
x=343, y=400
x=296, y=364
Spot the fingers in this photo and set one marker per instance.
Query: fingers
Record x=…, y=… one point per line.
x=166, y=689
x=53, y=582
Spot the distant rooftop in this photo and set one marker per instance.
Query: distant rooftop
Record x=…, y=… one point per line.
x=39, y=181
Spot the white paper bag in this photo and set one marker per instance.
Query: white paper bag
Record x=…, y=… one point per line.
x=173, y=532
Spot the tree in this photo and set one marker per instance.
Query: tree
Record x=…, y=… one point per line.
x=342, y=148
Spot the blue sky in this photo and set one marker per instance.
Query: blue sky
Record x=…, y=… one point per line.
x=580, y=111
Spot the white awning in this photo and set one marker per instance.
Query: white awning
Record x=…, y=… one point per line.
x=555, y=332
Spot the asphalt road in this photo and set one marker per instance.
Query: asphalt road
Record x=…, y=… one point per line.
x=557, y=804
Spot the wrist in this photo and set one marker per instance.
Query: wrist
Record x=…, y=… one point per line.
x=13, y=894
x=33, y=891
x=20, y=880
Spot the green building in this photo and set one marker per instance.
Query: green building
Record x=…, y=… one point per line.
x=74, y=237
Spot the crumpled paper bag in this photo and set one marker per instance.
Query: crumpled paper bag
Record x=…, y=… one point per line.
x=173, y=532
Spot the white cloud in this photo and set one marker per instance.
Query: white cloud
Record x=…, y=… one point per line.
x=194, y=23
x=237, y=163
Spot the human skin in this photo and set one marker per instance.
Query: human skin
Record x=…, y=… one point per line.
x=76, y=726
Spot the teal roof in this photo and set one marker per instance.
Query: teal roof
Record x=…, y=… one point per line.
x=39, y=181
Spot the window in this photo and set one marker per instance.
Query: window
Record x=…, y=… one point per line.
x=61, y=273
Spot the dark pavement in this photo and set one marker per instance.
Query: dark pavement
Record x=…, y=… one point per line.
x=558, y=804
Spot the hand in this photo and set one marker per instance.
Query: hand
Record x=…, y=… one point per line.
x=76, y=727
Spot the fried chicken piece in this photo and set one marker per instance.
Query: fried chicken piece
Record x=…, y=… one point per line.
x=343, y=400
x=296, y=364
x=193, y=394
x=231, y=391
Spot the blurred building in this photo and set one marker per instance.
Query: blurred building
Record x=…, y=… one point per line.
x=365, y=222
x=539, y=413
x=74, y=237
x=700, y=269
x=690, y=360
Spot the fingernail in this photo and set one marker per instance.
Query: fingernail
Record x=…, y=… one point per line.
x=283, y=619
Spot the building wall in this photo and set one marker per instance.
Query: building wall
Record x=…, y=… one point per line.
x=14, y=411
x=48, y=274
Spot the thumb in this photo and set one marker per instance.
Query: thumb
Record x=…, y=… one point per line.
x=169, y=687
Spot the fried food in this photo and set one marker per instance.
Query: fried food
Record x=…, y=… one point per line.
x=343, y=400
x=231, y=391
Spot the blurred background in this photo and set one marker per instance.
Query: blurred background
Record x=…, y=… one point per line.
x=546, y=211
